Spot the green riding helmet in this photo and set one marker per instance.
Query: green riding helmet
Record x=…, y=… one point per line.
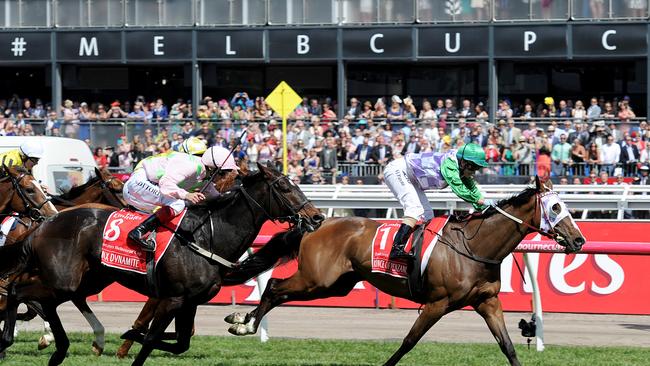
x=474, y=153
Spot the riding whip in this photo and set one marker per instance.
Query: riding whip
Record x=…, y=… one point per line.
x=218, y=169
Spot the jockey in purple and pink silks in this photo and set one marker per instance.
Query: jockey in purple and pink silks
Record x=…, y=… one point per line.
x=166, y=181
x=409, y=177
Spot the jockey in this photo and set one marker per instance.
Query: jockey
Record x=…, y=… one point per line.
x=409, y=177
x=27, y=155
x=168, y=180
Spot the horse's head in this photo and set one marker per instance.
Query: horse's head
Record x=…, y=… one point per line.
x=556, y=218
x=27, y=197
x=282, y=199
x=111, y=186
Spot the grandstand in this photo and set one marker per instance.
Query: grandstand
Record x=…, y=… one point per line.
x=139, y=76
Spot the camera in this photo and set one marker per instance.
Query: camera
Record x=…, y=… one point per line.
x=528, y=329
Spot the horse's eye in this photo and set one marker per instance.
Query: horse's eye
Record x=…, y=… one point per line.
x=556, y=208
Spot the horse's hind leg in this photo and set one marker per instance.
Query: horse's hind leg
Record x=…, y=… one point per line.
x=294, y=288
x=491, y=311
x=431, y=313
x=140, y=325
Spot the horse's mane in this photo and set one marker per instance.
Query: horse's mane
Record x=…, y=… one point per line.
x=517, y=200
x=75, y=192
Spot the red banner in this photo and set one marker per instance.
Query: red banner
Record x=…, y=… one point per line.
x=581, y=283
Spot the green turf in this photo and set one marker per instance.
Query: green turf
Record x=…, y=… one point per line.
x=249, y=351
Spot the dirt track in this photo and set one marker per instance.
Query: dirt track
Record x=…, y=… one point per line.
x=311, y=322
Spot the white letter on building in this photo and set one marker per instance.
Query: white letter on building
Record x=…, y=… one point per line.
x=456, y=46
x=302, y=44
x=229, y=51
x=606, y=45
x=88, y=49
x=529, y=38
x=157, y=45
x=373, y=45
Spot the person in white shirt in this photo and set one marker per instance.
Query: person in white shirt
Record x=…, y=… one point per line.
x=610, y=154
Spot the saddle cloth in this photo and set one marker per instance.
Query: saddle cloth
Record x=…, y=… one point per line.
x=383, y=242
x=120, y=253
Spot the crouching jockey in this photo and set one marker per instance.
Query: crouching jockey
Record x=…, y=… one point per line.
x=169, y=180
x=410, y=176
x=27, y=155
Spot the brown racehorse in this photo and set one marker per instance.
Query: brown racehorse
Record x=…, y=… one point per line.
x=101, y=188
x=225, y=226
x=463, y=271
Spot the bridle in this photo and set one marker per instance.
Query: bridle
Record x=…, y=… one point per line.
x=551, y=234
x=104, y=184
x=32, y=209
x=294, y=218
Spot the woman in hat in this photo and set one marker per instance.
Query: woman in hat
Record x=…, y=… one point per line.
x=410, y=176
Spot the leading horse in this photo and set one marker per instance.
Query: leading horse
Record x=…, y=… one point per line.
x=463, y=270
x=226, y=225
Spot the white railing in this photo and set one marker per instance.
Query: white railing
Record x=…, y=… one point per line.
x=617, y=198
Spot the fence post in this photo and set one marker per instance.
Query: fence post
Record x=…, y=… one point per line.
x=537, y=302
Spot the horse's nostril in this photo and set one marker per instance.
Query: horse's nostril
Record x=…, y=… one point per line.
x=318, y=218
x=580, y=241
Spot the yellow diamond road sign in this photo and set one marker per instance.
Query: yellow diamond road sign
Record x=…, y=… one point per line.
x=283, y=99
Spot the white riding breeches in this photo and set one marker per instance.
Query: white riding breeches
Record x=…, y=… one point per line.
x=5, y=229
x=144, y=195
x=413, y=200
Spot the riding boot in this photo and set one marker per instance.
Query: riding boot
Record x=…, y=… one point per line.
x=399, y=243
x=138, y=234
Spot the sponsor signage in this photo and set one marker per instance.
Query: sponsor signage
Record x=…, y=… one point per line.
x=302, y=44
x=531, y=41
x=453, y=42
x=89, y=46
x=377, y=43
x=25, y=47
x=582, y=283
x=230, y=45
x=374, y=43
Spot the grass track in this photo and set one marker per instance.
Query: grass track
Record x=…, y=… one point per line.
x=249, y=351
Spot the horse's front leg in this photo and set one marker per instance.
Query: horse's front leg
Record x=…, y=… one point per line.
x=140, y=325
x=491, y=311
x=429, y=316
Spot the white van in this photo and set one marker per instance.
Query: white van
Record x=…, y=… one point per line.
x=65, y=164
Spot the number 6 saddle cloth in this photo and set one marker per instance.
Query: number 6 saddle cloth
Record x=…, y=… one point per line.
x=383, y=241
x=121, y=253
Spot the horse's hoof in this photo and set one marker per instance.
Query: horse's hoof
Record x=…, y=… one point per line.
x=123, y=351
x=235, y=318
x=97, y=350
x=238, y=330
x=43, y=343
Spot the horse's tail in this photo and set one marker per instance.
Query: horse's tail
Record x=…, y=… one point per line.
x=14, y=258
x=282, y=246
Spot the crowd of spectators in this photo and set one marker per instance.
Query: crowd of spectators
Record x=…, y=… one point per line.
x=564, y=138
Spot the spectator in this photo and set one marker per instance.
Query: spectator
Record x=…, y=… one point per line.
x=578, y=157
x=504, y=112
x=354, y=110
x=116, y=111
x=512, y=133
x=381, y=152
x=524, y=154
x=544, y=163
x=608, y=113
x=328, y=114
x=508, y=160
x=412, y=146
x=363, y=152
x=593, y=157
x=466, y=110
x=367, y=112
x=380, y=112
x=629, y=155
x=410, y=111
x=314, y=108
x=100, y=158
x=395, y=112
x=593, y=112
x=529, y=112
x=327, y=156
x=625, y=113
x=564, y=111
x=610, y=155
x=70, y=119
x=644, y=155
x=427, y=113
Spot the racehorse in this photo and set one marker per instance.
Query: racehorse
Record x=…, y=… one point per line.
x=463, y=270
x=225, y=225
x=147, y=313
x=103, y=188
x=22, y=194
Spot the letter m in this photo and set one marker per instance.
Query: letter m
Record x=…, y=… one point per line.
x=88, y=48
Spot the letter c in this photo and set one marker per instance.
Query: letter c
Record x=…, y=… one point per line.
x=606, y=44
x=373, y=46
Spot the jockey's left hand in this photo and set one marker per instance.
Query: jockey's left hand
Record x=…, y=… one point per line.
x=488, y=202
